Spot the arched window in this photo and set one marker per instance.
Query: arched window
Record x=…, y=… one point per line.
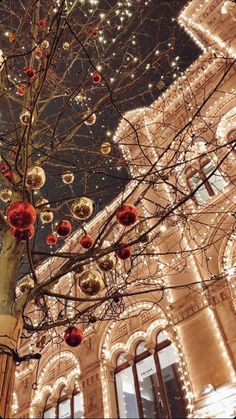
x=150, y=388
x=49, y=411
x=66, y=407
x=199, y=174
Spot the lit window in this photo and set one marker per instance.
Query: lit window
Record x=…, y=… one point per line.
x=197, y=176
x=66, y=408
x=150, y=388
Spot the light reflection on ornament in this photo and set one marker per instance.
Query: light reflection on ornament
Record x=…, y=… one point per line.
x=91, y=282
x=105, y=147
x=68, y=178
x=35, y=177
x=66, y=46
x=82, y=208
x=5, y=194
x=90, y=118
x=107, y=263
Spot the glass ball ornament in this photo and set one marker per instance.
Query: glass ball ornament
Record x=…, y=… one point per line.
x=123, y=252
x=105, y=148
x=25, y=118
x=90, y=118
x=45, y=44
x=25, y=283
x=68, y=178
x=21, y=215
x=82, y=208
x=42, y=23
x=29, y=72
x=95, y=33
x=73, y=336
x=91, y=282
x=107, y=263
x=38, y=53
x=5, y=194
x=51, y=239
x=63, y=228
x=97, y=78
x=126, y=215
x=46, y=217
x=23, y=235
x=35, y=177
x=66, y=46
x=21, y=89
x=86, y=242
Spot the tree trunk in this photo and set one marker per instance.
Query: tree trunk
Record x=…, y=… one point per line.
x=10, y=330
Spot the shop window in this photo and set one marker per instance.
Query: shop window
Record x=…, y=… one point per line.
x=198, y=175
x=66, y=408
x=150, y=388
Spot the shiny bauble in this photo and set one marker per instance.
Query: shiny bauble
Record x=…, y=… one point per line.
x=22, y=235
x=73, y=336
x=86, y=242
x=29, y=72
x=126, y=215
x=25, y=283
x=5, y=194
x=51, y=239
x=105, y=148
x=82, y=208
x=21, y=215
x=92, y=319
x=25, y=118
x=97, y=78
x=68, y=178
x=4, y=168
x=90, y=118
x=42, y=23
x=66, y=46
x=38, y=53
x=46, y=217
x=35, y=177
x=91, y=283
x=107, y=262
x=64, y=228
x=123, y=252
x=21, y=89
x=45, y=44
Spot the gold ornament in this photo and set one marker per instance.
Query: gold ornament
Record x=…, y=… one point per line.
x=35, y=177
x=105, y=147
x=81, y=97
x=25, y=118
x=90, y=118
x=46, y=217
x=68, y=178
x=91, y=283
x=82, y=208
x=66, y=46
x=5, y=194
x=45, y=44
x=26, y=283
x=107, y=262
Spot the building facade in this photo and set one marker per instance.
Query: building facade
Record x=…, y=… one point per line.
x=171, y=355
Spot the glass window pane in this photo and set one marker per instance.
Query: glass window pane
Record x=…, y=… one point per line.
x=152, y=403
x=202, y=194
x=65, y=409
x=50, y=413
x=78, y=406
x=141, y=348
x=163, y=335
x=121, y=359
x=216, y=181
x=126, y=394
x=170, y=376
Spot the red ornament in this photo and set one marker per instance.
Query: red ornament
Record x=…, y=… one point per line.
x=73, y=336
x=86, y=242
x=29, y=72
x=64, y=228
x=4, y=168
x=42, y=23
x=126, y=215
x=21, y=215
x=94, y=33
x=123, y=252
x=97, y=78
x=22, y=235
x=11, y=176
x=51, y=239
x=21, y=89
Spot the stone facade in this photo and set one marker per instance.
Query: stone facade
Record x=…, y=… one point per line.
x=202, y=325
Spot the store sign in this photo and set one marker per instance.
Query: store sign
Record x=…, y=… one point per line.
x=146, y=368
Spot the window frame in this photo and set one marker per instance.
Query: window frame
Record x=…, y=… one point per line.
x=137, y=358
x=61, y=399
